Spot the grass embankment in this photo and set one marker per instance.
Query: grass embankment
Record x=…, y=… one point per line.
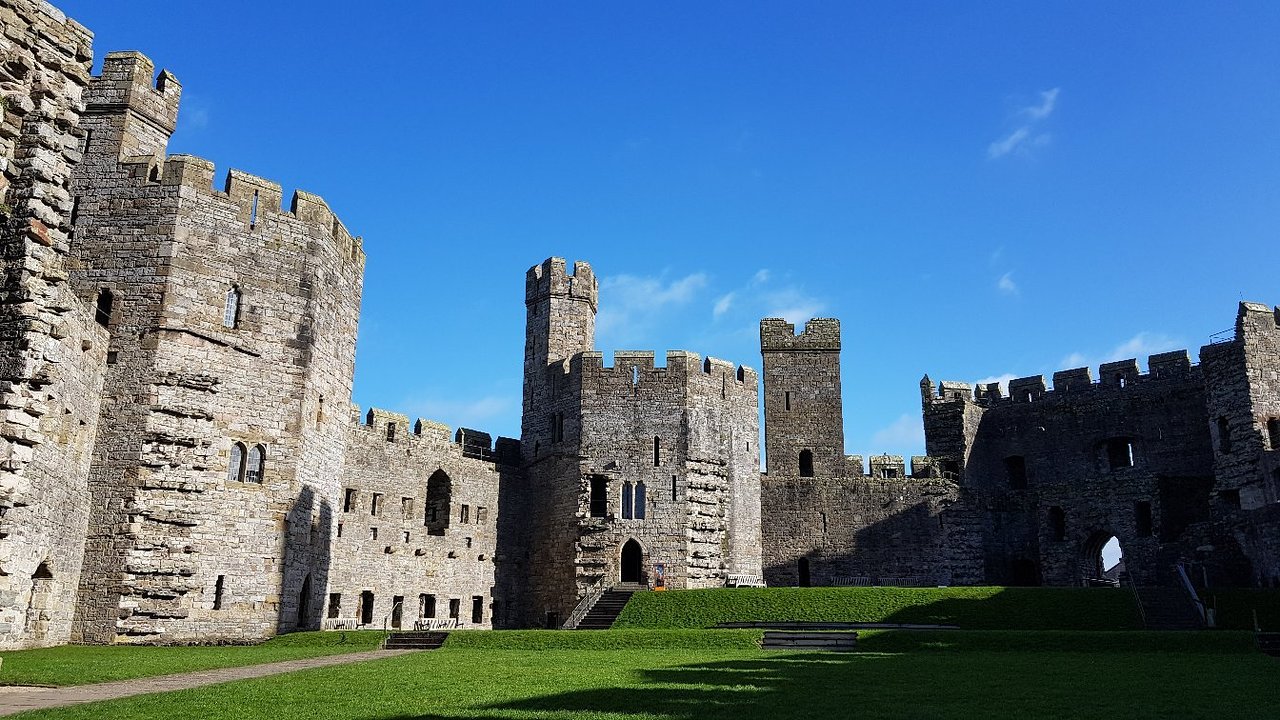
x=896, y=674
x=1236, y=607
x=977, y=608
x=83, y=664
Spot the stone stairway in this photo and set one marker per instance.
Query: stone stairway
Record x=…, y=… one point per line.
x=829, y=641
x=607, y=608
x=417, y=640
x=1166, y=608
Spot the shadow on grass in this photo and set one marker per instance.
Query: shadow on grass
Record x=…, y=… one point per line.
x=1137, y=683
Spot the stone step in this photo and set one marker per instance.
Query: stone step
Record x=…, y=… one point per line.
x=831, y=641
x=418, y=640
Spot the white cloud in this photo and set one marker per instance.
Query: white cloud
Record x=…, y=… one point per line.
x=1074, y=360
x=722, y=305
x=1006, y=284
x=1002, y=379
x=1143, y=344
x=1003, y=147
x=631, y=304
x=460, y=413
x=761, y=277
x=793, y=304
x=1024, y=136
x=1048, y=99
x=904, y=434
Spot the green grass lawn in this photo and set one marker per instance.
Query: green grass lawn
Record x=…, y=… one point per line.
x=1237, y=607
x=81, y=664
x=895, y=674
x=978, y=608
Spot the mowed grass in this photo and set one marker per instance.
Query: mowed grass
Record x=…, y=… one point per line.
x=978, y=608
x=83, y=664
x=896, y=674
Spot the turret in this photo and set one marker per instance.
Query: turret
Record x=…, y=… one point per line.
x=130, y=116
x=804, y=419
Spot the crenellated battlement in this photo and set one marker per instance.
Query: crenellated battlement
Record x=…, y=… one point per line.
x=638, y=366
x=550, y=278
x=258, y=199
x=819, y=334
x=893, y=467
x=1118, y=375
x=128, y=81
x=395, y=428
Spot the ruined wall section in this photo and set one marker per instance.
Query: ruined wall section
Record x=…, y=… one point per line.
x=392, y=540
x=51, y=351
x=912, y=531
x=185, y=552
x=1243, y=405
x=802, y=397
x=1059, y=471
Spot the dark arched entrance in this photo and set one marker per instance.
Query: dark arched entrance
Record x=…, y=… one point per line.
x=1101, y=559
x=632, y=562
x=304, y=604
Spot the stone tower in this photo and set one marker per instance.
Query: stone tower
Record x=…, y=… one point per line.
x=803, y=416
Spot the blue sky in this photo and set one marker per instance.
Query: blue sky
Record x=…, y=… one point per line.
x=976, y=190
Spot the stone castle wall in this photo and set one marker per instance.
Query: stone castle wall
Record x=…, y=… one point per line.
x=179, y=550
x=434, y=549
x=51, y=351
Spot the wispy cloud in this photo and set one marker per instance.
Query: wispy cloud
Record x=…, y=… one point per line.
x=632, y=304
x=793, y=304
x=1003, y=379
x=1143, y=344
x=1048, y=98
x=475, y=413
x=1006, y=284
x=1026, y=136
x=906, y=435
x=761, y=277
x=722, y=305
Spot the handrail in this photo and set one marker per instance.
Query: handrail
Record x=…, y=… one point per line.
x=386, y=632
x=584, y=606
x=1137, y=597
x=1191, y=592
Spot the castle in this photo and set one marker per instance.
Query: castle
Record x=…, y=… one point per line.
x=180, y=460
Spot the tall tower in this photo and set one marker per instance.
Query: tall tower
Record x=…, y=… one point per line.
x=803, y=416
x=560, y=322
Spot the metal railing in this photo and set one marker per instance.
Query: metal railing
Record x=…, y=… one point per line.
x=1137, y=598
x=584, y=606
x=1191, y=592
x=386, y=620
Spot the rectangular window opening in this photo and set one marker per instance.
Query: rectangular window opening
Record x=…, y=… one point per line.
x=1142, y=518
x=375, y=507
x=349, y=500
x=218, y=589
x=465, y=515
x=455, y=607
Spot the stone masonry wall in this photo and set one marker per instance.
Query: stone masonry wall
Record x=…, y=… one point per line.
x=443, y=550
x=1058, y=472
x=51, y=351
x=802, y=397
x=181, y=551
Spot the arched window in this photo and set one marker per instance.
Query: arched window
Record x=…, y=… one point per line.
x=599, y=505
x=1015, y=467
x=806, y=463
x=439, y=495
x=231, y=311
x=657, y=451
x=235, y=468
x=626, y=500
x=102, y=313
x=639, y=509
x=255, y=464
x=1057, y=524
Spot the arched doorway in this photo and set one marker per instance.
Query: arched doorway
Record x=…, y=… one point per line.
x=632, y=562
x=1101, y=559
x=304, y=603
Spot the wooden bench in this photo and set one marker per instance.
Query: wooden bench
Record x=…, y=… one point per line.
x=340, y=623
x=852, y=581
x=735, y=580
x=436, y=624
